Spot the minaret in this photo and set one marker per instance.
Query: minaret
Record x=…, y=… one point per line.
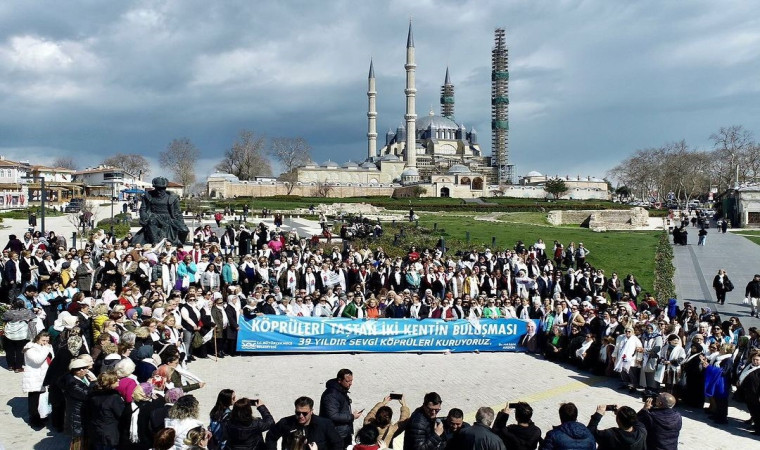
x=447, y=97
x=500, y=108
x=411, y=95
x=371, y=114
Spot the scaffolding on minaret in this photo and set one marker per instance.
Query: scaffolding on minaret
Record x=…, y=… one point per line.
x=500, y=108
x=447, y=97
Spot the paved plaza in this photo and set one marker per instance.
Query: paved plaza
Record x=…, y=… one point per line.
x=466, y=381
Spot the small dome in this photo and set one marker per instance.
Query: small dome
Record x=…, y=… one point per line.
x=410, y=172
x=223, y=176
x=368, y=165
x=457, y=169
x=350, y=164
x=330, y=164
x=389, y=157
x=534, y=173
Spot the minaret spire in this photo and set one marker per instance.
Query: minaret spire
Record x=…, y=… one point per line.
x=371, y=114
x=411, y=95
x=447, y=97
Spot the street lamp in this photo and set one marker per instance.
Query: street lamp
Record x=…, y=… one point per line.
x=42, y=198
x=113, y=190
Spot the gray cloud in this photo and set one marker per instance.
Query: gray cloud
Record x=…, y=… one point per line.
x=591, y=81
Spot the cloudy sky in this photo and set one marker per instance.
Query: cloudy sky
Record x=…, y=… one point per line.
x=591, y=81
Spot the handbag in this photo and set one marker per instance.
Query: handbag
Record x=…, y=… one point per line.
x=17, y=330
x=728, y=285
x=746, y=300
x=43, y=408
x=197, y=340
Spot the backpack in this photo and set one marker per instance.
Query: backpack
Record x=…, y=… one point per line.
x=17, y=331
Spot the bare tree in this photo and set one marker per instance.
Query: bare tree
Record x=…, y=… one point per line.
x=65, y=162
x=246, y=158
x=734, y=147
x=290, y=179
x=291, y=152
x=131, y=163
x=321, y=189
x=87, y=215
x=179, y=158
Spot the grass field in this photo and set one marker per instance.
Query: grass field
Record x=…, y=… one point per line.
x=619, y=251
x=751, y=235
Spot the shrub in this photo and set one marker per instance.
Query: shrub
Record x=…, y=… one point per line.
x=664, y=270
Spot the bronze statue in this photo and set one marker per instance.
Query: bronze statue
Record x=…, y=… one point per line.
x=160, y=216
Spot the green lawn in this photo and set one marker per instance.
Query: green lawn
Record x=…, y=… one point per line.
x=24, y=213
x=619, y=251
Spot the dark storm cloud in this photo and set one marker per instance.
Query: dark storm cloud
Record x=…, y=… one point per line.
x=591, y=81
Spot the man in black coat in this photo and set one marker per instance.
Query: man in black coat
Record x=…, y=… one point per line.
x=629, y=434
x=524, y=435
x=305, y=427
x=423, y=432
x=479, y=436
x=662, y=422
x=336, y=405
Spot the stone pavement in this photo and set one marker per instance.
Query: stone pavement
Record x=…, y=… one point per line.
x=696, y=266
x=465, y=381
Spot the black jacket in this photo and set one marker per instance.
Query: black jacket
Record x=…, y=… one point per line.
x=336, y=406
x=752, y=289
x=516, y=437
x=420, y=434
x=477, y=437
x=617, y=439
x=102, y=411
x=250, y=436
x=75, y=392
x=663, y=427
x=320, y=431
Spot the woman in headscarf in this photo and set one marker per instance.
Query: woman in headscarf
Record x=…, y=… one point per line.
x=652, y=343
x=718, y=383
x=669, y=367
x=626, y=353
x=693, y=381
x=749, y=388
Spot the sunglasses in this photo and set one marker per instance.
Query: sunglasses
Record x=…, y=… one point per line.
x=303, y=413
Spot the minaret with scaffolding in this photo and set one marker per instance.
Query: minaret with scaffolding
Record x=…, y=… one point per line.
x=500, y=108
x=447, y=97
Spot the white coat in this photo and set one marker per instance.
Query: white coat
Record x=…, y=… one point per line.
x=35, y=366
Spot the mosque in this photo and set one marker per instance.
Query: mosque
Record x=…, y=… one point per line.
x=433, y=151
x=430, y=156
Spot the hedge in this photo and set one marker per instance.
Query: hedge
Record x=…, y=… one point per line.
x=664, y=270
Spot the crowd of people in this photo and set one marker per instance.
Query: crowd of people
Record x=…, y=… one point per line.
x=104, y=335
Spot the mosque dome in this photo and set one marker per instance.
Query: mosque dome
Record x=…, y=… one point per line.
x=534, y=173
x=350, y=165
x=330, y=164
x=410, y=172
x=457, y=169
x=368, y=165
x=389, y=157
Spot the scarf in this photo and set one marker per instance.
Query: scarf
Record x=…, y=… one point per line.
x=747, y=370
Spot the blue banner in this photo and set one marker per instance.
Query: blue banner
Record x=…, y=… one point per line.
x=334, y=335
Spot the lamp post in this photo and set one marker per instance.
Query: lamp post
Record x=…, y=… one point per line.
x=43, y=194
x=113, y=189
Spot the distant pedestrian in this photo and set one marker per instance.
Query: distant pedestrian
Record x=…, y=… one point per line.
x=752, y=294
x=724, y=225
x=702, y=236
x=722, y=285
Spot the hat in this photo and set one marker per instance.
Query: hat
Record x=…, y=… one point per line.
x=68, y=321
x=78, y=363
x=147, y=311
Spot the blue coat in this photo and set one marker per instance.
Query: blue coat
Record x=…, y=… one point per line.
x=569, y=436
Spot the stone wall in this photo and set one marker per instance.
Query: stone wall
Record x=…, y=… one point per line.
x=225, y=189
x=602, y=220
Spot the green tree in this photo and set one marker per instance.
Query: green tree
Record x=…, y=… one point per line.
x=556, y=187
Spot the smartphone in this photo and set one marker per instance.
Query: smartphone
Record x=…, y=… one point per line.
x=396, y=396
x=438, y=421
x=255, y=402
x=611, y=408
x=512, y=405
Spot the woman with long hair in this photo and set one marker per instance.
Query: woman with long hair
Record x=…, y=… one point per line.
x=183, y=416
x=220, y=413
x=103, y=412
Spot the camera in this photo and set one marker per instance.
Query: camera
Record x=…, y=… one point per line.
x=396, y=396
x=611, y=408
x=650, y=396
x=512, y=405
